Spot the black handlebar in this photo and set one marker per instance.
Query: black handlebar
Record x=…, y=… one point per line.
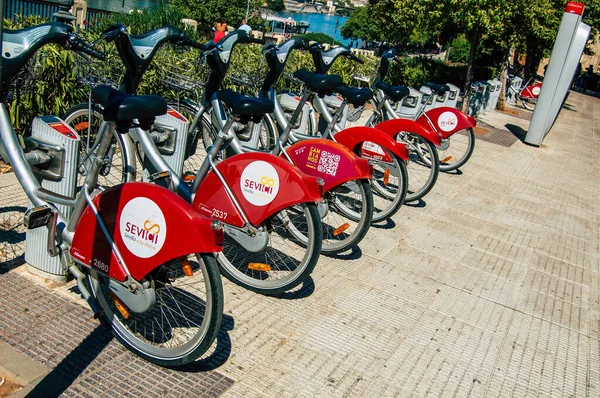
x=255, y=41
x=355, y=58
x=76, y=43
x=186, y=41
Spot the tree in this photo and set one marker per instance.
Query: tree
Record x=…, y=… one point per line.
x=362, y=24
x=206, y=12
x=276, y=5
x=477, y=19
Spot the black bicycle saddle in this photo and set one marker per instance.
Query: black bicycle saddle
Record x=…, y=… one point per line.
x=121, y=107
x=322, y=84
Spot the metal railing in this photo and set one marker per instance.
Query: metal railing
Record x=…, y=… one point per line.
x=45, y=9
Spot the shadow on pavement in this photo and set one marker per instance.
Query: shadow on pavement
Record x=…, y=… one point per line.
x=354, y=254
x=307, y=288
x=74, y=364
x=387, y=224
x=517, y=131
x=416, y=204
x=221, y=353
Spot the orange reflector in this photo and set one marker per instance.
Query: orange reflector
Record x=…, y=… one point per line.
x=259, y=267
x=386, y=176
x=189, y=177
x=447, y=158
x=81, y=126
x=341, y=229
x=186, y=267
x=120, y=306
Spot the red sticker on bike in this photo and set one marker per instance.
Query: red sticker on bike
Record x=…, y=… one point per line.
x=176, y=114
x=574, y=8
x=63, y=129
x=370, y=150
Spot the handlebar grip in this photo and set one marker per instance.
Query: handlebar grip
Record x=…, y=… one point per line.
x=76, y=43
x=255, y=41
x=186, y=41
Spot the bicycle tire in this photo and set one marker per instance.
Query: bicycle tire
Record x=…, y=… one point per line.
x=528, y=104
x=121, y=165
x=239, y=265
x=202, y=326
x=348, y=217
x=386, y=202
x=422, y=166
x=460, y=148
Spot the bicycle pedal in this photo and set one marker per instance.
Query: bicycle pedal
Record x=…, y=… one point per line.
x=157, y=177
x=162, y=179
x=38, y=217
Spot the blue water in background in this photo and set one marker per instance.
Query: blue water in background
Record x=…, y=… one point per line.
x=323, y=23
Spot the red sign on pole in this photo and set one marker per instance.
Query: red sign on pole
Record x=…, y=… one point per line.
x=574, y=8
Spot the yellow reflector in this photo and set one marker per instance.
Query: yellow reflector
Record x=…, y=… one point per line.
x=120, y=306
x=81, y=126
x=186, y=267
x=447, y=158
x=341, y=229
x=259, y=267
x=386, y=176
x=189, y=177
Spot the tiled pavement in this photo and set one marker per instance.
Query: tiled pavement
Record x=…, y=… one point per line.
x=487, y=288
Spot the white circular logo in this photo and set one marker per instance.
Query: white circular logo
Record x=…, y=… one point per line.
x=259, y=183
x=447, y=121
x=536, y=90
x=143, y=227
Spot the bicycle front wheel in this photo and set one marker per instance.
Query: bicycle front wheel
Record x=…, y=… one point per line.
x=119, y=162
x=458, y=148
x=289, y=256
x=422, y=166
x=529, y=104
x=347, y=217
x=185, y=319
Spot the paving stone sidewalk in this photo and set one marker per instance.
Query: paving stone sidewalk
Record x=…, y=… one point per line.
x=488, y=287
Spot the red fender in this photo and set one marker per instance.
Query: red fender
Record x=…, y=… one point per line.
x=353, y=136
x=149, y=225
x=532, y=91
x=263, y=184
x=329, y=160
x=446, y=120
x=393, y=126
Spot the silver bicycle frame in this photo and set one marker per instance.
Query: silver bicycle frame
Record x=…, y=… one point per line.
x=207, y=165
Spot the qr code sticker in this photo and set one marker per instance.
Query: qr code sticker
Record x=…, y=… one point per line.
x=328, y=163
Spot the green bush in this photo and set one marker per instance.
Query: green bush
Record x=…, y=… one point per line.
x=321, y=38
x=459, y=49
x=54, y=87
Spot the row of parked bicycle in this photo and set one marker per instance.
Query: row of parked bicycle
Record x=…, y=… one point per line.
x=256, y=187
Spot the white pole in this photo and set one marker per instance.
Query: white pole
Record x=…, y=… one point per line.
x=247, y=10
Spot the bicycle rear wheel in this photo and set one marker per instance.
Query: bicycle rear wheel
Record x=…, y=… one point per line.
x=184, y=321
x=348, y=216
x=389, y=185
x=119, y=162
x=422, y=166
x=290, y=255
x=458, y=148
